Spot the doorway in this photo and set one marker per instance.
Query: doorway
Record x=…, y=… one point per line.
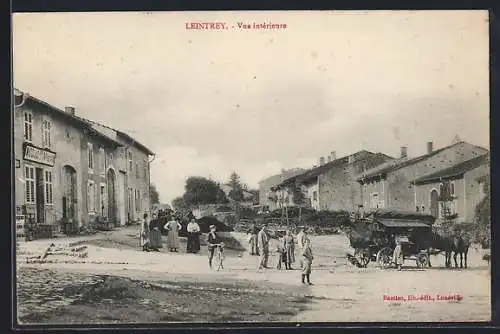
x=39, y=195
x=111, y=183
x=69, y=199
x=434, y=203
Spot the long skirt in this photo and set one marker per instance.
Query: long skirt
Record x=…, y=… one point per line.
x=193, y=243
x=144, y=239
x=306, y=266
x=155, y=239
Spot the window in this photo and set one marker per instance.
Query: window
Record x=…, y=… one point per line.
x=374, y=203
x=452, y=189
x=90, y=149
x=102, y=161
x=130, y=200
x=137, y=201
x=315, y=196
x=28, y=126
x=29, y=177
x=146, y=169
x=137, y=173
x=46, y=136
x=48, y=187
x=130, y=163
x=91, y=197
x=103, y=199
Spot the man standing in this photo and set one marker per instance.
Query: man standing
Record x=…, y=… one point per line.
x=307, y=258
x=301, y=242
x=193, y=237
x=263, y=243
x=253, y=241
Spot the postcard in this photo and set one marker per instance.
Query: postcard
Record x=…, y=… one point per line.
x=251, y=166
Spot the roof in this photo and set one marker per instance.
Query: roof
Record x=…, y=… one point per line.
x=314, y=172
x=454, y=172
x=402, y=162
x=78, y=120
x=227, y=189
x=86, y=123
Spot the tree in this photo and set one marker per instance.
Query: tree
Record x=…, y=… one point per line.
x=482, y=215
x=200, y=190
x=179, y=204
x=236, y=192
x=154, y=196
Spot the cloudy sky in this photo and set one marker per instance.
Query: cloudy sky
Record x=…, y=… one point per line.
x=210, y=102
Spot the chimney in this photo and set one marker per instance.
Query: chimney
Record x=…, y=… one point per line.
x=321, y=161
x=404, y=151
x=333, y=155
x=70, y=110
x=429, y=147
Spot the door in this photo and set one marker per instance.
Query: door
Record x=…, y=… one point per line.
x=39, y=198
x=434, y=203
x=121, y=197
x=69, y=198
x=111, y=197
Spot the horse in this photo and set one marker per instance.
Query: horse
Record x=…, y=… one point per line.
x=456, y=243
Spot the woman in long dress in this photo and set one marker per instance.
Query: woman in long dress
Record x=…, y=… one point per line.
x=193, y=237
x=144, y=234
x=173, y=227
x=154, y=234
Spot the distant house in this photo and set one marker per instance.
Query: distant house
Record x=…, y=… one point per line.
x=265, y=186
x=390, y=185
x=248, y=198
x=465, y=185
x=333, y=185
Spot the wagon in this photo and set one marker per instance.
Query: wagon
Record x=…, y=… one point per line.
x=374, y=237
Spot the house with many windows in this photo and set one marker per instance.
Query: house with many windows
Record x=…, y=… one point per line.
x=332, y=185
x=68, y=170
x=399, y=184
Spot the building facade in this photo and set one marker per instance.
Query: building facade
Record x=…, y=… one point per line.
x=333, y=185
x=66, y=170
x=390, y=185
x=265, y=186
x=462, y=186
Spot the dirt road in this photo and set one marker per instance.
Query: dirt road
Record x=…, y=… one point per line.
x=342, y=292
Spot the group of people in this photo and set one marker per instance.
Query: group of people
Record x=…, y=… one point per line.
x=259, y=245
x=151, y=234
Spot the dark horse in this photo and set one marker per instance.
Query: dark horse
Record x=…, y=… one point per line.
x=456, y=243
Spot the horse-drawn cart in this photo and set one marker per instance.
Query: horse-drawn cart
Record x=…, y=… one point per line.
x=374, y=237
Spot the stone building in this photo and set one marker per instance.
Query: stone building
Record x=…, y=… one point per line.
x=67, y=169
x=390, y=185
x=332, y=185
x=462, y=182
x=265, y=186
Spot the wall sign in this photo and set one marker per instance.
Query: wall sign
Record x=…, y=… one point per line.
x=36, y=154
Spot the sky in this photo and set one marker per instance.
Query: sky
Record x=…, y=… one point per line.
x=256, y=101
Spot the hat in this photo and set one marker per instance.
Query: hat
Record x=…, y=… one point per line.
x=212, y=226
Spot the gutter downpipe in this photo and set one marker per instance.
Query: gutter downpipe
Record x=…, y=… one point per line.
x=149, y=181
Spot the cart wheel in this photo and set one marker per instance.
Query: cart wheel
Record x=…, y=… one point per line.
x=422, y=260
x=363, y=256
x=384, y=257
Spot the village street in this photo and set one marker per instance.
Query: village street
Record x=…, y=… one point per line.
x=341, y=292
